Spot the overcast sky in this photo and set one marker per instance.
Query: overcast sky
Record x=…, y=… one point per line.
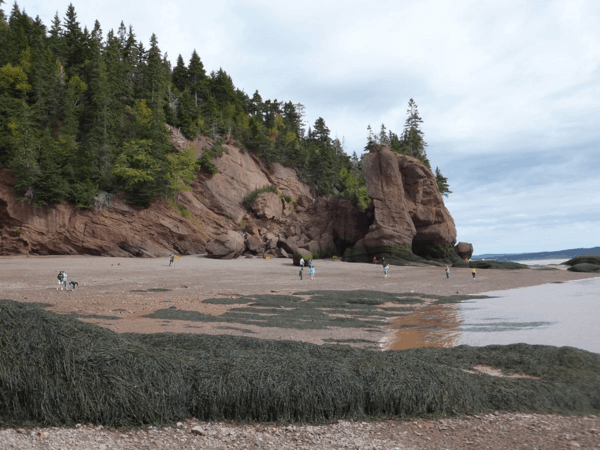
x=509, y=91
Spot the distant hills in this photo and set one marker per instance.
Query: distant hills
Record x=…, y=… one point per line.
x=559, y=254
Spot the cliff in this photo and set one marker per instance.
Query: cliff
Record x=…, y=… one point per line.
x=407, y=210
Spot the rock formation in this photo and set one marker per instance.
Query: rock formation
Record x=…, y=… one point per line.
x=407, y=212
x=464, y=250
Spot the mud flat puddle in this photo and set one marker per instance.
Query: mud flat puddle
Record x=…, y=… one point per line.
x=564, y=314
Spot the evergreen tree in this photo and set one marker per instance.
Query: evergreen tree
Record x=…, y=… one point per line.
x=442, y=183
x=73, y=39
x=413, y=141
x=79, y=113
x=197, y=79
x=180, y=75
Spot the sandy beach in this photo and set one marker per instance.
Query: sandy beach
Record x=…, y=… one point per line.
x=118, y=292
x=129, y=288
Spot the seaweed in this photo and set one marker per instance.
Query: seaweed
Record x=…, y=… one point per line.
x=58, y=371
x=585, y=268
x=493, y=264
x=360, y=309
x=584, y=259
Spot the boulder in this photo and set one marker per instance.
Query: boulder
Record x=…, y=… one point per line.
x=304, y=201
x=271, y=240
x=464, y=250
x=313, y=247
x=267, y=205
x=226, y=246
x=255, y=244
x=289, y=245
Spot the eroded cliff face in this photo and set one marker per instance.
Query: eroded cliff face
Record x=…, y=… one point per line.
x=407, y=209
x=213, y=211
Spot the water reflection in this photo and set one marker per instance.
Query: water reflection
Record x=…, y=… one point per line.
x=564, y=314
x=432, y=326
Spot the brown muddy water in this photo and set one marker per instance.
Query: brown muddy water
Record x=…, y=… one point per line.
x=565, y=314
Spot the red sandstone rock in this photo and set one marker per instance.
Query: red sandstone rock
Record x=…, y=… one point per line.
x=267, y=205
x=392, y=226
x=464, y=250
x=406, y=208
x=226, y=246
x=432, y=221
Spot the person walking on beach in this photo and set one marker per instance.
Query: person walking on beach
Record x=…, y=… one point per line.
x=172, y=259
x=383, y=263
x=312, y=272
x=447, y=272
x=473, y=272
x=60, y=280
x=64, y=281
x=302, y=263
x=385, y=270
x=310, y=263
x=300, y=273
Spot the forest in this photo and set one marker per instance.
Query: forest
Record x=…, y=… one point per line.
x=83, y=113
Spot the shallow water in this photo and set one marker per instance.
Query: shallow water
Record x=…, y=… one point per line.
x=541, y=262
x=551, y=314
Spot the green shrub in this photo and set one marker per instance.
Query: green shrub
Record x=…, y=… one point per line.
x=287, y=198
x=205, y=161
x=180, y=209
x=249, y=199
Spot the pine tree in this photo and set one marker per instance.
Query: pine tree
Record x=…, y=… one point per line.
x=413, y=141
x=180, y=75
x=197, y=79
x=442, y=183
x=74, y=41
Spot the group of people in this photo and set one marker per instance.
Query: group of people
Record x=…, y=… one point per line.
x=384, y=264
x=473, y=272
x=62, y=281
x=386, y=267
x=311, y=269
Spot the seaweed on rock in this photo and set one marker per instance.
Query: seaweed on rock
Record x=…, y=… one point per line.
x=585, y=268
x=584, y=259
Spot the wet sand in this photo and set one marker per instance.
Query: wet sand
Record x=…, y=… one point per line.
x=122, y=290
x=122, y=287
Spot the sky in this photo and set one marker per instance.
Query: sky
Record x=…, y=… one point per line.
x=509, y=91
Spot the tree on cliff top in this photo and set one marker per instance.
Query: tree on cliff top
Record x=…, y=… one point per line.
x=411, y=143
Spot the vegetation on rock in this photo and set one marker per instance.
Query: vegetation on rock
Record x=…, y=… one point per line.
x=249, y=199
x=585, y=267
x=584, y=259
x=83, y=112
